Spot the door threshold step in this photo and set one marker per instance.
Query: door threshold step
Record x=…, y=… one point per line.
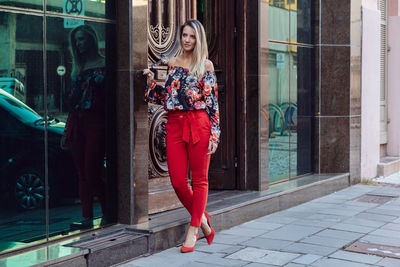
x=388, y=166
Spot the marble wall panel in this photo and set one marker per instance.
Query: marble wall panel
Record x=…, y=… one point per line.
x=335, y=22
x=355, y=149
x=124, y=117
x=335, y=81
x=123, y=150
x=334, y=144
x=316, y=21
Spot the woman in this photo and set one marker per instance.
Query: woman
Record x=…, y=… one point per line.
x=85, y=128
x=191, y=98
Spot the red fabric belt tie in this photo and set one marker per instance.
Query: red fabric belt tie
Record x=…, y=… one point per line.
x=190, y=127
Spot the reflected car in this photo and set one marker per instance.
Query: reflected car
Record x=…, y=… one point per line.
x=22, y=157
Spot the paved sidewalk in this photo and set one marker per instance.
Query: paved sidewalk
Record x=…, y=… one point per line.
x=311, y=234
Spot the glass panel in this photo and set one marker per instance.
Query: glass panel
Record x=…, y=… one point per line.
x=278, y=20
x=299, y=111
x=22, y=165
x=76, y=63
x=263, y=37
x=88, y=8
x=301, y=23
x=279, y=62
x=30, y=4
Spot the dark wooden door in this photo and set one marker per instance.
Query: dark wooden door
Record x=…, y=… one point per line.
x=219, y=22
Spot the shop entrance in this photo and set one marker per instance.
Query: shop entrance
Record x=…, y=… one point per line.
x=218, y=20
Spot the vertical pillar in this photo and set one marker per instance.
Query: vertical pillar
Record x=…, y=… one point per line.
x=131, y=112
x=338, y=113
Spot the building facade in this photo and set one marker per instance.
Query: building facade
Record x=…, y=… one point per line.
x=307, y=91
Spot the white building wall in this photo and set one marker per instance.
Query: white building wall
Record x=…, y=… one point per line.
x=370, y=90
x=393, y=146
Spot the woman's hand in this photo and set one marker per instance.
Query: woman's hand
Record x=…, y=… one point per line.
x=212, y=147
x=150, y=76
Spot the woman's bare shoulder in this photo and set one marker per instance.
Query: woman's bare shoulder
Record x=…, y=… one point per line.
x=172, y=61
x=209, y=65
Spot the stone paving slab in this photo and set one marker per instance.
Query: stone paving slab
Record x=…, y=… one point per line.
x=242, y=231
x=277, y=219
x=364, y=222
x=254, y=264
x=307, y=259
x=386, y=233
x=264, y=256
x=304, y=248
x=392, y=226
x=292, y=232
x=266, y=243
x=327, y=262
x=215, y=259
x=221, y=238
x=346, y=235
x=376, y=217
x=352, y=228
x=357, y=257
x=317, y=223
x=389, y=262
x=325, y=241
x=312, y=234
x=261, y=225
x=383, y=240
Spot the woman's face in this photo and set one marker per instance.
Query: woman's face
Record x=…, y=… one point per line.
x=188, y=39
x=82, y=42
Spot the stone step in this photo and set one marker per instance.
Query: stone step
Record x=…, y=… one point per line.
x=388, y=166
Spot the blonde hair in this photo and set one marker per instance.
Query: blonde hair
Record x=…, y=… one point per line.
x=200, y=51
x=78, y=62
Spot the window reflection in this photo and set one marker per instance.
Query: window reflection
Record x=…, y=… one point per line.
x=286, y=83
x=279, y=80
x=76, y=81
x=22, y=165
x=88, y=8
x=32, y=4
x=73, y=82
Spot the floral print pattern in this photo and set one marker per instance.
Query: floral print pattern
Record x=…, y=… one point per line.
x=88, y=91
x=184, y=91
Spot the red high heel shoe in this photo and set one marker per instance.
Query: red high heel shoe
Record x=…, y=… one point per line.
x=209, y=237
x=189, y=249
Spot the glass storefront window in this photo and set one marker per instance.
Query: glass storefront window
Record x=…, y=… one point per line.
x=76, y=73
x=286, y=89
x=87, y=8
x=279, y=79
x=22, y=131
x=71, y=103
x=279, y=19
x=29, y=4
x=300, y=118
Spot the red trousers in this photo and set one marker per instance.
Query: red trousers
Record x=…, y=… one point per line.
x=86, y=137
x=188, y=134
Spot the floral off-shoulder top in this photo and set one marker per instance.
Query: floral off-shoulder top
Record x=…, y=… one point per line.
x=184, y=91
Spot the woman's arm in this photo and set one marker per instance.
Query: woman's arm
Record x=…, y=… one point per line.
x=154, y=93
x=210, y=92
